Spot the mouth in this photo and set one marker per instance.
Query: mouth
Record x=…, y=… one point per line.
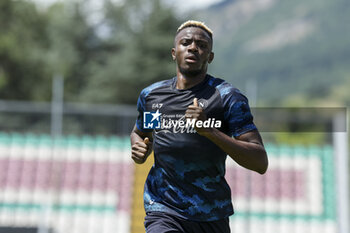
x=191, y=59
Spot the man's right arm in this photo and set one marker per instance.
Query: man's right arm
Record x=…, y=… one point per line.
x=141, y=145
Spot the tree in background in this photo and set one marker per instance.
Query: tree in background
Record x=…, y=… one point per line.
x=139, y=45
x=73, y=46
x=107, y=62
x=23, y=41
x=132, y=52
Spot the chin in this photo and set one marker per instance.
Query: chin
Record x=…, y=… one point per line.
x=190, y=72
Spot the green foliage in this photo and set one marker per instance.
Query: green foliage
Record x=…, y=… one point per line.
x=132, y=52
x=107, y=61
x=22, y=43
x=73, y=46
x=142, y=55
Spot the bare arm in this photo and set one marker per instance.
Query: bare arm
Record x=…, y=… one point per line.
x=247, y=149
x=141, y=145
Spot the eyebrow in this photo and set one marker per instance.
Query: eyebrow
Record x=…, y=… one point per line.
x=185, y=37
x=199, y=40
x=203, y=38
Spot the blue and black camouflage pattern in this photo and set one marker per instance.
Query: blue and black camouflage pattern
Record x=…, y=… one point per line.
x=188, y=176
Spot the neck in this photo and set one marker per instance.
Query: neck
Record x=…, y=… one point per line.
x=186, y=81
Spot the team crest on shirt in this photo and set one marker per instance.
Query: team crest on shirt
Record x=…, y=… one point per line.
x=203, y=103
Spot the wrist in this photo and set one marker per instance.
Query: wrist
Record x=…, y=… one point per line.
x=208, y=132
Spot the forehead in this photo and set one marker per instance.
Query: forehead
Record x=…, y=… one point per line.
x=193, y=32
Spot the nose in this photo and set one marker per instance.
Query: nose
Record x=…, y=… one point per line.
x=192, y=46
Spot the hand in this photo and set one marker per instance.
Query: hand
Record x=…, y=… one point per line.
x=141, y=150
x=197, y=113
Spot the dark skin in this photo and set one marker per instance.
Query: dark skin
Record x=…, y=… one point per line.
x=141, y=145
x=192, y=53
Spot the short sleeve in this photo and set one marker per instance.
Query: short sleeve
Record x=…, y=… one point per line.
x=237, y=113
x=141, y=107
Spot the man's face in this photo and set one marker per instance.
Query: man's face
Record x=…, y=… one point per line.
x=192, y=51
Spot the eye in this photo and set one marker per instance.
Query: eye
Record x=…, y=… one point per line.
x=185, y=42
x=202, y=44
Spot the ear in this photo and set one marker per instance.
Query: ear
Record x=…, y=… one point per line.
x=211, y=57
x=173, y=54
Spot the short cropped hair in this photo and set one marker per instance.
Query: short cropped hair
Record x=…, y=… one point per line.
x=198, y=24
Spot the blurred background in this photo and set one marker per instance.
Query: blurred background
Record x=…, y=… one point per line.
x=70, y=76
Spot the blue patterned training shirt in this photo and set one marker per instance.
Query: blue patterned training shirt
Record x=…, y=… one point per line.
x=187, y=178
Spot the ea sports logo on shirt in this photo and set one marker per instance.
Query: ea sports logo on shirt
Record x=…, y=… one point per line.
x=151, y=120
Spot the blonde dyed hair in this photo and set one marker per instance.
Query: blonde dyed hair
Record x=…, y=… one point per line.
x=194, y=23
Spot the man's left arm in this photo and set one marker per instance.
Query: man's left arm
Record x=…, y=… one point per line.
x=247, y=149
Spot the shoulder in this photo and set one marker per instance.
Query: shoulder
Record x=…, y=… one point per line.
x=161, y=84
x=226, y=89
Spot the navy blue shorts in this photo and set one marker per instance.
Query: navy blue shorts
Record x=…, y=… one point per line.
x=158, y=222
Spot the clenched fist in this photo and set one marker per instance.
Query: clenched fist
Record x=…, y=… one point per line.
x=195, y=112
x=141, y=150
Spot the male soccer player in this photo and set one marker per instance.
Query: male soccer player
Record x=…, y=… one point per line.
x=192, y=122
